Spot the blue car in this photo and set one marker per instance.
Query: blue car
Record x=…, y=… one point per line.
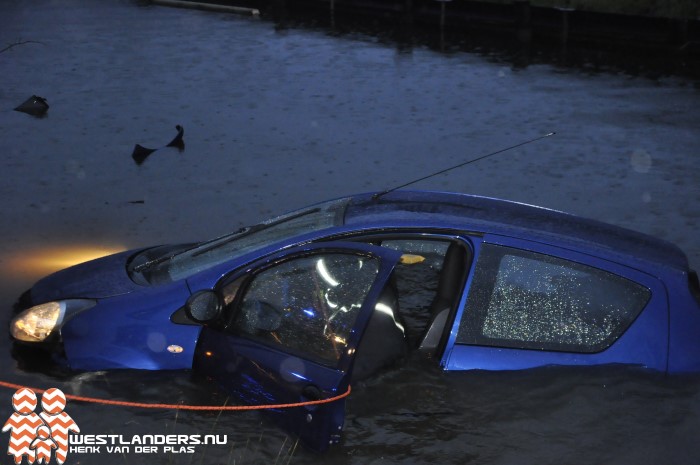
x=300, y=306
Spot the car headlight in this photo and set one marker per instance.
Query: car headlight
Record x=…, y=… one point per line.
x=36, y=323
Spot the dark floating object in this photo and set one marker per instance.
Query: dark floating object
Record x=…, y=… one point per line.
x=140, y=152
x=35, y=106
x=177, y=140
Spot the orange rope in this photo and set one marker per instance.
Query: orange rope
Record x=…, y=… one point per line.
x=185, y=407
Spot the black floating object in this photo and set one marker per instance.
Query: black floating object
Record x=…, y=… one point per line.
x=35, y=106
x=140, y=152
x=177, y=141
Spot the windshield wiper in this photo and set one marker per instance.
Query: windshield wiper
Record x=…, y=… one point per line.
x=240, y=233
x=256, y=228
x=164, y=258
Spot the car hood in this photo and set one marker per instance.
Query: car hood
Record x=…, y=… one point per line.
x=100, y=278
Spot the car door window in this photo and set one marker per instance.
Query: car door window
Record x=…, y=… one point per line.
x=307, y=305
x=527, y=300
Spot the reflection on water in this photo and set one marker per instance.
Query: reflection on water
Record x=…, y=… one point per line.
x=552, y=415
x=500, y=41
x=40, y=261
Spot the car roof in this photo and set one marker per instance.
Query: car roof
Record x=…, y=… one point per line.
x=488, y=215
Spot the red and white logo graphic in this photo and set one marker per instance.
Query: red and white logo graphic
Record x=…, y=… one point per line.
x=35, y=436
x=61, y=424
x=43, y=444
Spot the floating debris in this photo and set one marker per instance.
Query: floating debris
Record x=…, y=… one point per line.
x=35, y=106
x=177, y=140
x=140, y=152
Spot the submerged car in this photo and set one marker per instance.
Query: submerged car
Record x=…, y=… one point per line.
x=300, y=306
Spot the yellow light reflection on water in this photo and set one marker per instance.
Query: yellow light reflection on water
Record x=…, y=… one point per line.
x=44, y=260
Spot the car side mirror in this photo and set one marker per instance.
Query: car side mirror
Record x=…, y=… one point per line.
x=204, y=307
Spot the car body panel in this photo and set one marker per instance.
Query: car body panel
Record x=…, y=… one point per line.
x=684, y=321
x=95, y=279
x=132, y=331
x=474, y=213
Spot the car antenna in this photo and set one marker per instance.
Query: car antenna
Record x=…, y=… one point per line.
x=380, y=194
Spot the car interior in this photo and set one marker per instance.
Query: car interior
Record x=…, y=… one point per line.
x=423, y=297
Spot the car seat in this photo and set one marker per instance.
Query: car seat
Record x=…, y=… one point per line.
x=383, y=341
x=449, y=289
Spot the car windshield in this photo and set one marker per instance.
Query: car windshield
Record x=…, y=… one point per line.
x=167, y=264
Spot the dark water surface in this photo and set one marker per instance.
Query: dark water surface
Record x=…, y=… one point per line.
x=276, y=118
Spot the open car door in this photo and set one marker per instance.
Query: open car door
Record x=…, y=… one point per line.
x=290, y=328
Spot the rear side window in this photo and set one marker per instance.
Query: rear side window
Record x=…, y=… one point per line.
x=526, y=300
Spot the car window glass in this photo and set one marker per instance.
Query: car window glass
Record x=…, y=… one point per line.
x=528, y=300
x=307, y=305
x=417, y=283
